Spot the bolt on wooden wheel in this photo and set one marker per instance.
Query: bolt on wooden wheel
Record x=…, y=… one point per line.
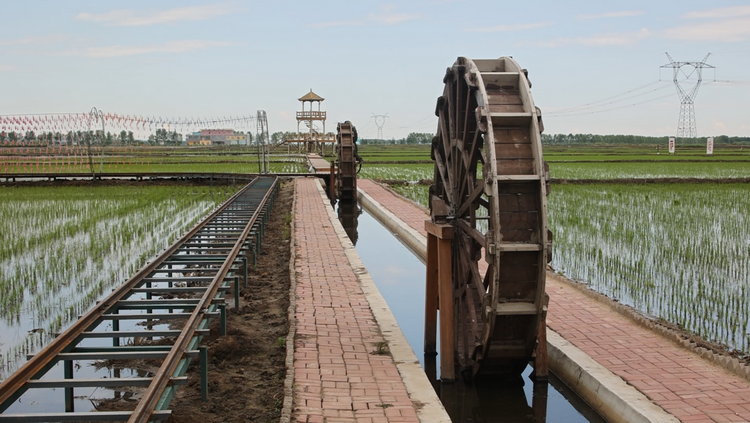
x=490, y=183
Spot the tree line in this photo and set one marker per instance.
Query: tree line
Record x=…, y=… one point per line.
x=71, y=138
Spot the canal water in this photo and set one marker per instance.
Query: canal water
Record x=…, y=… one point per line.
x=400, y=277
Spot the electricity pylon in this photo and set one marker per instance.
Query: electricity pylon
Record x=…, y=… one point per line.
x=380, y=122
x=686, y=124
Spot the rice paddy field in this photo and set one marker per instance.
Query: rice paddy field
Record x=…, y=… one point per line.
x=62, y=248
x=677, y=251
x=412, y=163
x=75, y=159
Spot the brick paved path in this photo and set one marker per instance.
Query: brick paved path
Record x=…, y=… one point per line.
x=679, y=381
x=336, y=379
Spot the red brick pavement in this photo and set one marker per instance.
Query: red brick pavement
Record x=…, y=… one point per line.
x=679, y=381
x=336, y=379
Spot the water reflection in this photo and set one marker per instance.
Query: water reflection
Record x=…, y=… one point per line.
x=348, y=212
x=489, y=401
x=399, y=276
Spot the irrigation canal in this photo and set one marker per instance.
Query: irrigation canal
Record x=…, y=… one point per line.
x=399, y=275
x=186, y=285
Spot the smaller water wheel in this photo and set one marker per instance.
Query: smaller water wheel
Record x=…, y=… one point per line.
x=489, y=191
x=345, y=184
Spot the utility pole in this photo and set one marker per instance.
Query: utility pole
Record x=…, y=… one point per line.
x=262, y=139
x=686, y=124
x=380, y=122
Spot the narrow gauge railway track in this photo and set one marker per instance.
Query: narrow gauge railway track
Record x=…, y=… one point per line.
x=186, y=285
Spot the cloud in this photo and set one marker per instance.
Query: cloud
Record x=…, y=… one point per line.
x=336, y=23
x=6, y=68
x=131, y=18
x=621, y=14
x=389, y=16
x=40, y=40
x=721, y=126
x=169, y=47
x=602, y=40
x=727, y=30
x=511, y=28
x=719, y=13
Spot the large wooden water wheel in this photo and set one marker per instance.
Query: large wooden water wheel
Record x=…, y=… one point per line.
x=491, y=185
x=346, y=163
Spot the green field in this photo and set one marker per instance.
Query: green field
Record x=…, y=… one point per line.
x=411, y=163
x=18, y=160
x=680, y=252
x=62, y=248
x=677, y=251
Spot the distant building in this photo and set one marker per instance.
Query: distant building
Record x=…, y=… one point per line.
x=217, y=137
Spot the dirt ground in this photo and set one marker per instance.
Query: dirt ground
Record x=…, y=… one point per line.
x=246, y=367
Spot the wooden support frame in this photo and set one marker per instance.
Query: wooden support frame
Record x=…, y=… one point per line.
x=439, y=296
x=541, y=358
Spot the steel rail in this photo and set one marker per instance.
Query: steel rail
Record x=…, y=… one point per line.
x=14, y=386
x=147, y=405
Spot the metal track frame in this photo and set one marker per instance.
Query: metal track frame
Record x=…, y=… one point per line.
x=212, y=247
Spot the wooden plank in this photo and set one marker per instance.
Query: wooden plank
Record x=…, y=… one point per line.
x=516, y=119
x=447, y=331
x=517, y=202
x=517, y=135
x=518, y=220
x=541, y=360
x=440, y=230
x=431, y=296
x=519, y=235
x=506, y=108
x=513, y=151
x=517, y=247
x=515, y=308
x=515, y=167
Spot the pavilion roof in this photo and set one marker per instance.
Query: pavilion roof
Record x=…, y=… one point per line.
x=311, y=96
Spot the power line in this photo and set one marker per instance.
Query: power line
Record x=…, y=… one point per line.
x=587, y=105
x=601, y=103
x=551, y=115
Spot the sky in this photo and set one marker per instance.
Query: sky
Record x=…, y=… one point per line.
x=595, y=66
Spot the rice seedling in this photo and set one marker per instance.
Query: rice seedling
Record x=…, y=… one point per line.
x=646, y=170
x=680, y=252
x=62, y=248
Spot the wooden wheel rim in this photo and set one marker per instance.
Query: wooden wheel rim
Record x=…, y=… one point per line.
x=487, y=119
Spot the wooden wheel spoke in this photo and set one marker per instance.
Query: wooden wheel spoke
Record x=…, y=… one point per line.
x=472, y=232
x=474, y=196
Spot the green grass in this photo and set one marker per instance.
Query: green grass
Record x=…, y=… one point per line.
x=62, y=248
